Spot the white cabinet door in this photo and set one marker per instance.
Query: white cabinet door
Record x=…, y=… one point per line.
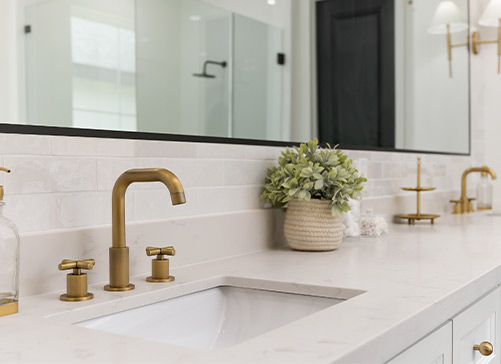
x=477, y=324
x=435, y=348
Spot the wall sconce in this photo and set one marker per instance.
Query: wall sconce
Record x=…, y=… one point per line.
x=491, y=17
x=447, y=19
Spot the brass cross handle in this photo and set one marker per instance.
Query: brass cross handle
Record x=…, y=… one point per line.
x=485, y=348
x=160, y=265
x=76, y=283
x=160, y=252
x=76, y=265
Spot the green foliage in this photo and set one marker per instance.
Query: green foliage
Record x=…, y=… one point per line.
x=307, y=172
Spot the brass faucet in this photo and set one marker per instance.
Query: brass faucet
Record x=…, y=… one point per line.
x=119, y=252
x=464, y=204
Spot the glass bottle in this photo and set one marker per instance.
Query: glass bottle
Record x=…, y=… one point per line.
x=9, y=262
x=484, y=193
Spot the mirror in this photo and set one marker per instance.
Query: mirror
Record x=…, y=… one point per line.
x=365, y=74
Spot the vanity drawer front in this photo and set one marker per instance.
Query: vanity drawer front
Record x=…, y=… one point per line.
x=479, y=323
x=436, y=348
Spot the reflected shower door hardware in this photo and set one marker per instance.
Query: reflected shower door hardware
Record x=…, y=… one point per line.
x=206, y=63
x=281, y=59
x=491, y=17
x=448, y=19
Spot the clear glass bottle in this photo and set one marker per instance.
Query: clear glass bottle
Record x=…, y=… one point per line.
x=9, y=262
x=484, y=193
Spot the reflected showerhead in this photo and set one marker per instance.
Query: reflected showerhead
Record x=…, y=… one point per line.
x=203, y=75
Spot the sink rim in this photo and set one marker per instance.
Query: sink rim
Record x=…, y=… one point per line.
x=123, y=302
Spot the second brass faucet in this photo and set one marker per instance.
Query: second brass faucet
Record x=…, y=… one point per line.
x=119, y=252
x=464, y=204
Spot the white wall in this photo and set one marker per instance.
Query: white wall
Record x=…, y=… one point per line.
x=485, y=98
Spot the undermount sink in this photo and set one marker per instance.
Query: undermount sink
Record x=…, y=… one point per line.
x=221, y=316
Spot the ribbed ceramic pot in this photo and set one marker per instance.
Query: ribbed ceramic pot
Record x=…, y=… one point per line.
x=310, y=226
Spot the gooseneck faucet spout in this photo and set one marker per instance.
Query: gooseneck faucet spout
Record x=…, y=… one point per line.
x=464, y=199
x=119, y=252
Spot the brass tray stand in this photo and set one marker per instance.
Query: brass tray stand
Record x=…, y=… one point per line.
x=418, y=216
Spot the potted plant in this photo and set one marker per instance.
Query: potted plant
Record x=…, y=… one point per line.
x=316, y=185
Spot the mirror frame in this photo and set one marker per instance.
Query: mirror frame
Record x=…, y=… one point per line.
x=134, y=135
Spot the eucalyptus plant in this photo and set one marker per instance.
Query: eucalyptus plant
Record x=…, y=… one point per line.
x=307, y=172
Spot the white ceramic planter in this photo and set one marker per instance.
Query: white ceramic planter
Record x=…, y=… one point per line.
x=310, y=226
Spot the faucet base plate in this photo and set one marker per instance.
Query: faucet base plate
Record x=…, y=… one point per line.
x=130, y=287
x=65, y=297
x=160, y=280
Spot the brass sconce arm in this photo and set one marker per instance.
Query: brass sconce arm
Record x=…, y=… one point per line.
x=476, y=42
x=450, y=46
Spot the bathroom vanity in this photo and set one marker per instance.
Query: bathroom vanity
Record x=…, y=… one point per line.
x=421, y=294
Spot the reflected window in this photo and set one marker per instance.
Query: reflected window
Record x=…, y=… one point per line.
x=103, y=75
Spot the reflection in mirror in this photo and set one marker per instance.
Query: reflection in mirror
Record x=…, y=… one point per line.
x=385, y=83
x=369, y=74
x=172, y=66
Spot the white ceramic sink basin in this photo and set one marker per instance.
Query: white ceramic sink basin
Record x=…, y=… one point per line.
x=213, y=314
x=213, y=319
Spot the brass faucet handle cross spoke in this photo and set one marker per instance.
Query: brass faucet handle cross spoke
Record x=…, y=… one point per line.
x=160, y=265
x=168, y=250
x=77, y=264
x=76, y=282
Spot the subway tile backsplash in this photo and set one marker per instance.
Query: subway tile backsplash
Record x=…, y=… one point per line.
x=65, y=182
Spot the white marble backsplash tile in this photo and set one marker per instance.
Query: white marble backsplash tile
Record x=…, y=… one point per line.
x=196, y=239
x=25, y=144
x=144, y=148
x=65, y=182
x=37, y=174
x=92, y=147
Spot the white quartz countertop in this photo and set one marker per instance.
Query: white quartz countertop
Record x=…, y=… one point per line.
x=415, y=279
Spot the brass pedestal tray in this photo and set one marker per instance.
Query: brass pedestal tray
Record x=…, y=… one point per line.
x=418, y=216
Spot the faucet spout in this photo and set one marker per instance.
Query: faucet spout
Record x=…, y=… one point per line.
x=464, y=198
x=119, y=252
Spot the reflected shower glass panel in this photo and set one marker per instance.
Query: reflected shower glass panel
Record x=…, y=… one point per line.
x=176, y=38
x=103, y=57
x=258, y=80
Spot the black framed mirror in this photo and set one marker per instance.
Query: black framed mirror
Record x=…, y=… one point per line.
x=377, y=74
